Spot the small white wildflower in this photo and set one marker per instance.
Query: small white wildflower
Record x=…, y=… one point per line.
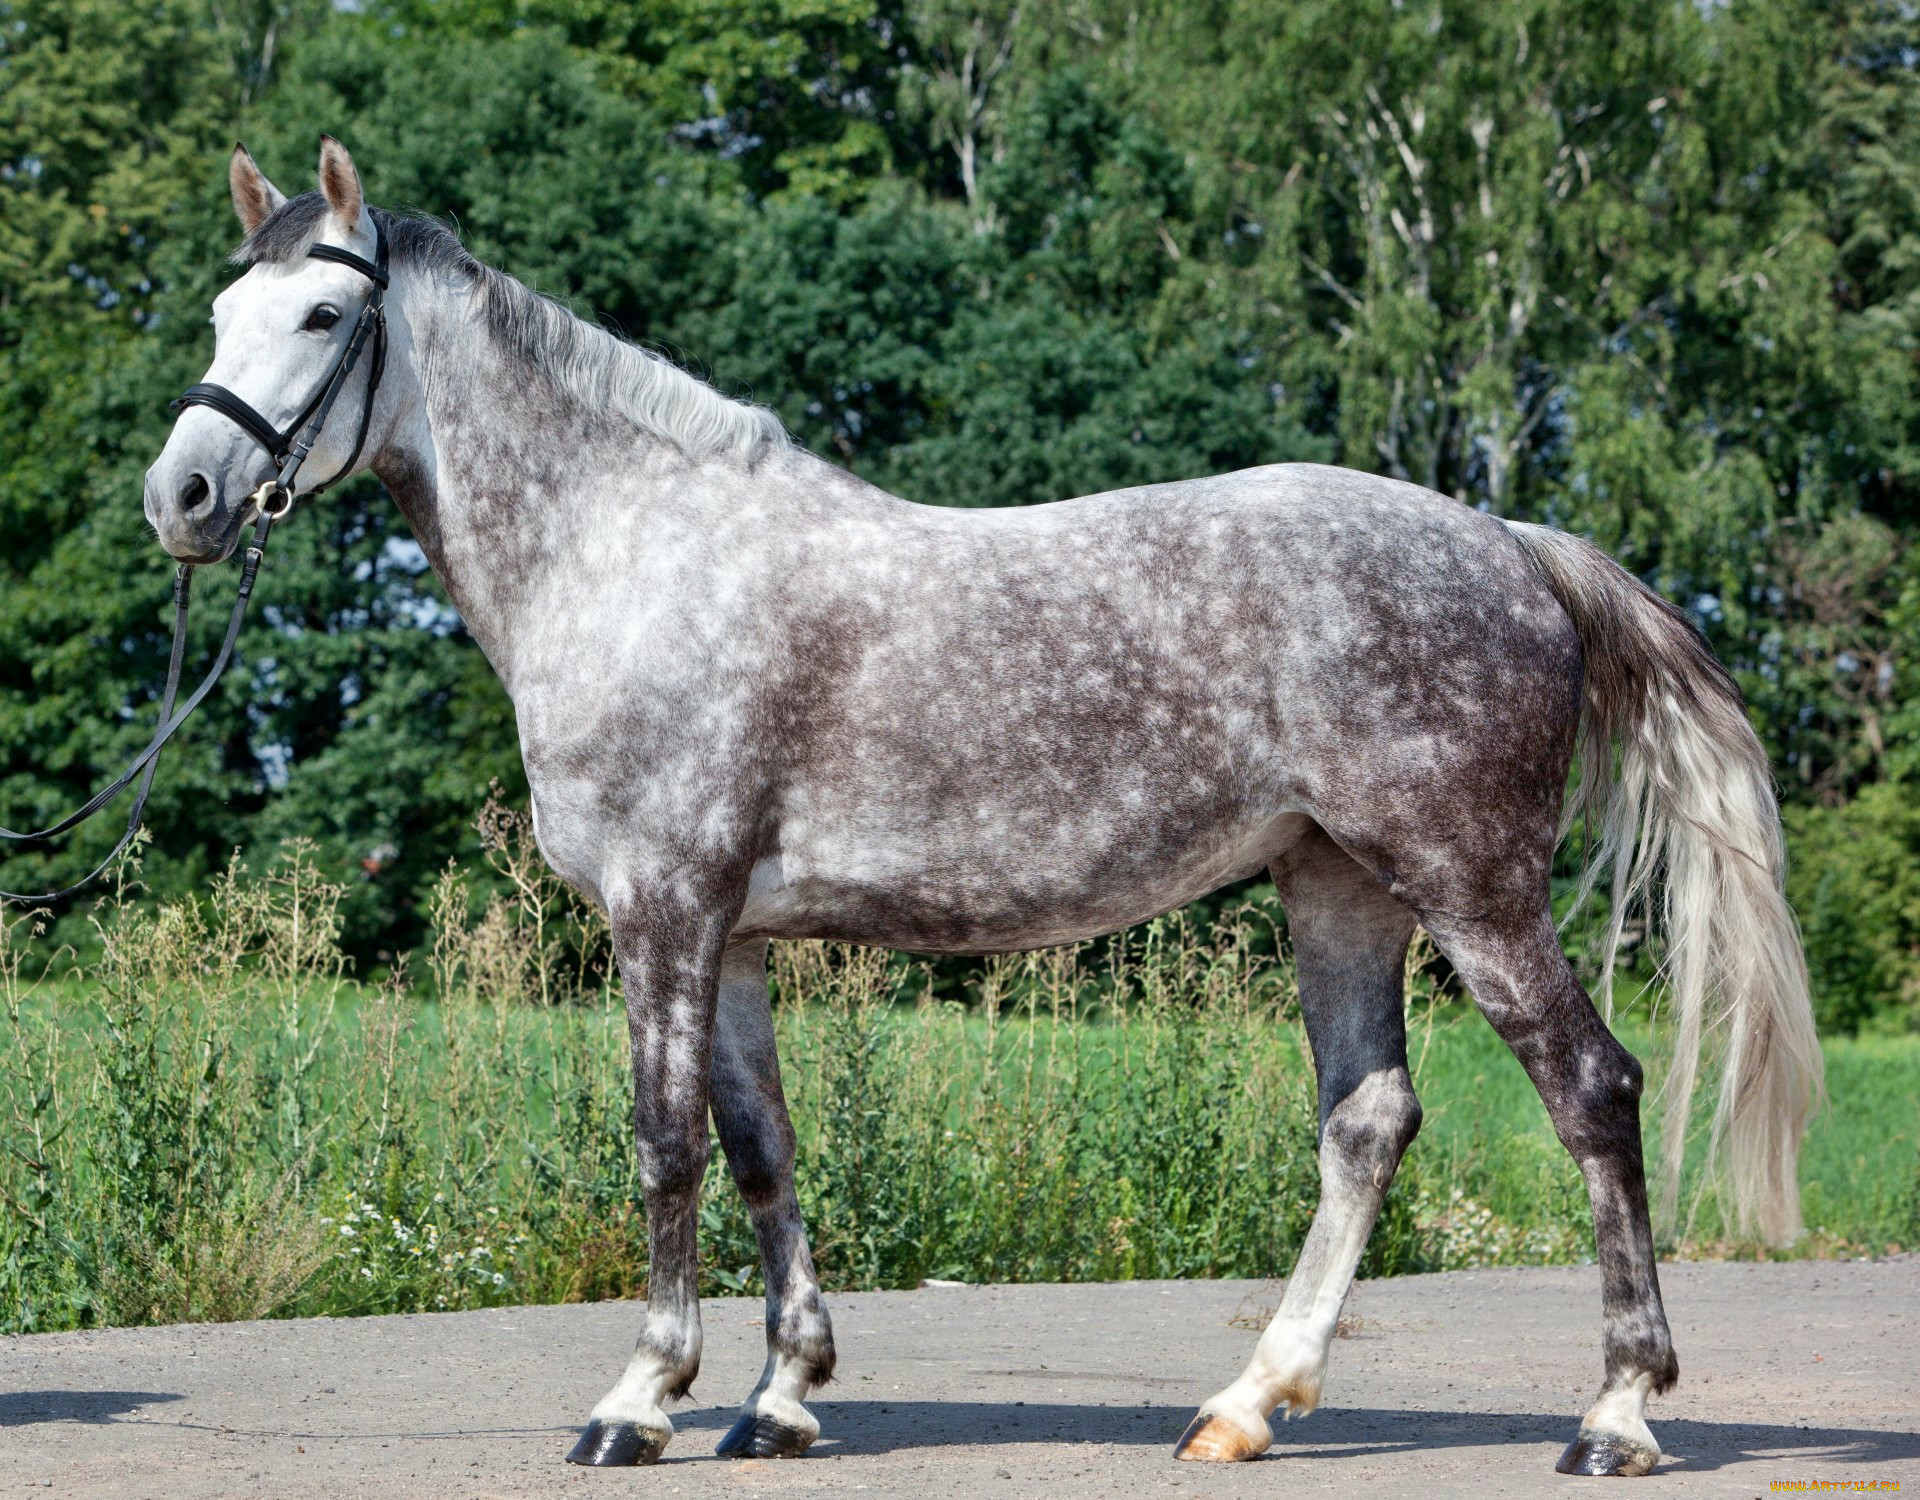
x=347, y=1230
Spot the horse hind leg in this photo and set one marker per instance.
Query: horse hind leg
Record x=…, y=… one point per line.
x=750, y=1113
x=1350, y=942
x=1591, y=1086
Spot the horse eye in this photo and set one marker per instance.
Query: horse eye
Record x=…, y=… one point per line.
x=320, y=319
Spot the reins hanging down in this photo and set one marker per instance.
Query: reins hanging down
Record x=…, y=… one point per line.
x=288, y=450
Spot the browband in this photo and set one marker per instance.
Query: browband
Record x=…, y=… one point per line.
x=377, y=274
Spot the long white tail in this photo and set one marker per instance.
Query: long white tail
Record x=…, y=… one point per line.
x=1675, y=790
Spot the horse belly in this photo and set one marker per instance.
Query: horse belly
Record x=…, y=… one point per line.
x=997, y=890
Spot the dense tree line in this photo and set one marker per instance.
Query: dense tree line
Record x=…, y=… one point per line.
x=1645, y=269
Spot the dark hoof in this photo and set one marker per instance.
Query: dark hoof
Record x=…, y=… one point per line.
x=1215, y=1440
x=615, y=1445
x=1607, y=1455
x=762, y=1437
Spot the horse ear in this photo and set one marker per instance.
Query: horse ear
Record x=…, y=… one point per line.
x=253, y=196
x=340, y=183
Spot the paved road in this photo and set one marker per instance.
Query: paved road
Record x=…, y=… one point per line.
x=1450, y=1385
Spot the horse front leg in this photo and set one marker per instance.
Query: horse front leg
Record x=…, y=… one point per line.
x=669, y=959
x=750, y=1112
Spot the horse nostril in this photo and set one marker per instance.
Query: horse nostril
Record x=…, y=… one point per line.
x=194, y=494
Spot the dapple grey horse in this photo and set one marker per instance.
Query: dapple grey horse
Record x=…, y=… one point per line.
x=759, y=698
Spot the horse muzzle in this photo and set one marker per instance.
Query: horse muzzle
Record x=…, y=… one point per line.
x=197, y=515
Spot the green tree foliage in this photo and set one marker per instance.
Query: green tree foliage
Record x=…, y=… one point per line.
x=1644, y=269
x=796, y=94
x=1857, y=887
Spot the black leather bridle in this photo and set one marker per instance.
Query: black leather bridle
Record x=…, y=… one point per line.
x=274, y=498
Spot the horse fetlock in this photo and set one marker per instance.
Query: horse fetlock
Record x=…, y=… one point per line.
x=1290, y=1366
x=801, y=1348
x=1637, y=1346
x=819, y=1363
x=1299, y=1394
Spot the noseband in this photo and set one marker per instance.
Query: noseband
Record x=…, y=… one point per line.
x=274, y=498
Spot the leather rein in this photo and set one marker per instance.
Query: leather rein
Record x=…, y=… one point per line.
x=288, y=449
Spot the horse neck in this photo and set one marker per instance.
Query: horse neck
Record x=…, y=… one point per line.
x=511, y=485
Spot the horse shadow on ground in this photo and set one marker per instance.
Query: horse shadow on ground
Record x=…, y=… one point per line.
x=26, y=1408
x=876, y=1427
x=873, y=1427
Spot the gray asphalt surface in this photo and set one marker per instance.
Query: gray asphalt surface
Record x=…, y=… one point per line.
x=1467, y=1383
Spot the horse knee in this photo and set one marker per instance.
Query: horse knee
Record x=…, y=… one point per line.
x=1372, y=1126
x=762, y=1168
x=672, y=1162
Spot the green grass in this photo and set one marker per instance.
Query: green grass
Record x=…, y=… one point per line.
x=1859, y=1166
x=215, y=1121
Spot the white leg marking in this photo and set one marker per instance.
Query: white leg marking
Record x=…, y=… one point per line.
x=1289, y=1365
x=651, y=1378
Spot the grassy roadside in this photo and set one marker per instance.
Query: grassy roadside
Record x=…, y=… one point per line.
x=216, y=1121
